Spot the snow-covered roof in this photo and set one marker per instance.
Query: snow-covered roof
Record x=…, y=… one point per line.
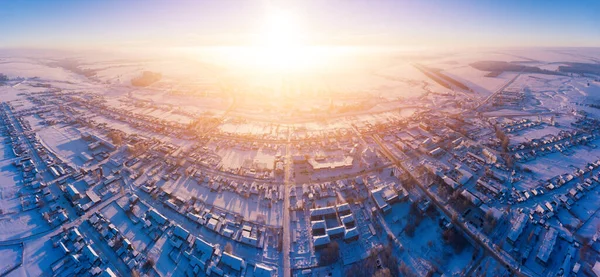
x=261, y=270
x=351, y=233
x=234, y=262
x=343, y=207
x=336, y=230
x=72, y=190
x=596, y=268
x=517, y=228
x=322, y=211
x=180, y=232
x=547, y=245
x=89, y=253
x=108, y=273
x=156, y=216
x=347, y=218
x=318, y=224
x=321, y=240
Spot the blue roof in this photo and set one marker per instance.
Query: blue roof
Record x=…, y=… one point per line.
x=161, y=219
x=180, y=232
x=236, y=263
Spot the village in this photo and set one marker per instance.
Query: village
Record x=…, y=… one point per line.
x=454, y=182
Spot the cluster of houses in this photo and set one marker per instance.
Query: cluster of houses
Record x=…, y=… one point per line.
x=243, y=232
x=386, y=195
x=121, y=245
x=518, y=125
x=28, y=150
x=218, y=222
x=550, y=144
x=204, y=257
x=99, y=147
x=22, y=141
x=538, y=217
x=80, y=257
x=141, y=121
x=332, y=222
x=585, y=174
x=509, y=97
x=83, y=192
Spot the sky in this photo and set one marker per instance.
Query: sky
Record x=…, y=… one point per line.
x=394, y=23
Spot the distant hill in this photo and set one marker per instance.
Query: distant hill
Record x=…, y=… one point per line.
x=580, y=68
x=501, y=66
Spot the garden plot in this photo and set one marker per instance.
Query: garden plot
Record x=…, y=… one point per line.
x=10, y=258
x=65, y=142
x=39, y=256
x=590, y=227
x=586, y=207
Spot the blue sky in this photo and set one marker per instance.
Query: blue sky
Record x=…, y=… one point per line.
x=474, y=23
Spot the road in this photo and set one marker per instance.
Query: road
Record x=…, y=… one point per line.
x=498, y=254
x=497, y=92
x=286, y=209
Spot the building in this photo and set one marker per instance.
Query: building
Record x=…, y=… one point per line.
x=321, y=242
x=384, y=197
x=202, y=253
x=233, y=262
x=547, y=246
x=517, y=228
x=73, y=193
x=351, y=234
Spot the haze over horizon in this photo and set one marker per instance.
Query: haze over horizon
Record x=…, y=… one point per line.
x=436, y=24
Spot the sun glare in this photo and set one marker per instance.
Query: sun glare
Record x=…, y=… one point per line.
x=281, y=45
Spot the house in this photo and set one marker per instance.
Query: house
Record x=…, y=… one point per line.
x=321, y=242
x=351, y=234
x=596, y=268
x=517, y=228
x=318, y=227
x=319, y=213
x=90, y=254
x=73, y=193
x=348, y=220
x=261, y=270
x=108, y=273
x=384, y=197
x=234, y=262
x=181, y=233
x=436, y=152
x=249, y=238
x=203, y=251
x=450, y=183
x=336, y=232
x=471, y=198
x=343, y=209
x=547, y=246
x=156, y=216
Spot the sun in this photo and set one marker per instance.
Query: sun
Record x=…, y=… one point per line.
x=281, y=43
x=280, y=47
x=281, y=29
